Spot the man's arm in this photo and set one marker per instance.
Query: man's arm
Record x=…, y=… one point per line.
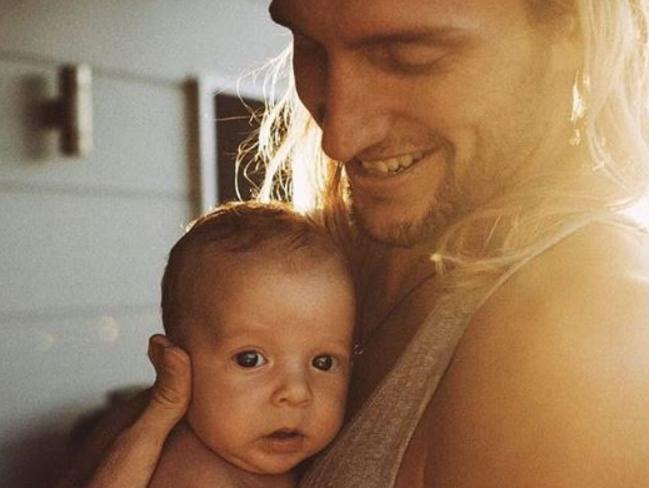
x=124, y=449
x=550, y=386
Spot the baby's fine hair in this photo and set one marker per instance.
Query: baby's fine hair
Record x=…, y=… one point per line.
x=272, y=229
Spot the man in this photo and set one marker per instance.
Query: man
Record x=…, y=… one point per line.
x=496, y=136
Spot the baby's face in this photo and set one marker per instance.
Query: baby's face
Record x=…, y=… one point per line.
x=270, y=361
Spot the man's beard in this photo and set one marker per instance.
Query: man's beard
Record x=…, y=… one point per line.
x=423, y=231
x=405, y=234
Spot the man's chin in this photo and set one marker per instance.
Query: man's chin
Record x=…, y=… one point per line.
x=404, y=234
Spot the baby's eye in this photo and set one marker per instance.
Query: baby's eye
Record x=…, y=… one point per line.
x=324, y=362
x=250, y=359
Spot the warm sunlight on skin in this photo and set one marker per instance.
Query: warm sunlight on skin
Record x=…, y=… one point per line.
x=433, y=105
x=503, y=138
x=270, y=351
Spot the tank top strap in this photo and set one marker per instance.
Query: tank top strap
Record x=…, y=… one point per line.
x=368, y=451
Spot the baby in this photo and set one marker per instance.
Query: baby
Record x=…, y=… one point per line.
x=262, y=300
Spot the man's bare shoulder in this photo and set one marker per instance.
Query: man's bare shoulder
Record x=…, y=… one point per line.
x=550, y=386
x=598, y=275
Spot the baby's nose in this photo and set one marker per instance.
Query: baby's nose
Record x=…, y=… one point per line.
x=294, y=389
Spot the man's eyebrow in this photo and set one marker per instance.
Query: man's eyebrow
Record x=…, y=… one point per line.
x=413, y=35
x=416, y=35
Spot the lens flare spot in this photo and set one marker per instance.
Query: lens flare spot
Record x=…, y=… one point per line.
x=43, y=341
x=108, y=329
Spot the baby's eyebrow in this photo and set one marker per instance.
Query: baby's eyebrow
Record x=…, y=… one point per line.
x=233, y=334
x=247, y=330
x=339, y=345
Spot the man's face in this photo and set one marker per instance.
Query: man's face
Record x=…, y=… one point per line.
x=270, y=352
x=433, y=106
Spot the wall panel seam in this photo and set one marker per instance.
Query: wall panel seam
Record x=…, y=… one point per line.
x=33, y=317
x=103, y=72
x=94, y=192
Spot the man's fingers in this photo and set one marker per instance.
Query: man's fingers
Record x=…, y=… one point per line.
x=157, y=344
x=132, y=457
x=171, y=392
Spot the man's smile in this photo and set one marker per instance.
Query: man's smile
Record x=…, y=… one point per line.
x=389, y=174
x=394, y=164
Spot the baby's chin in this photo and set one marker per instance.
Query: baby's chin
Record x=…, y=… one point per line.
x=270, y=454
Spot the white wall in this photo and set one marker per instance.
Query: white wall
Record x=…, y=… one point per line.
x=83, y=241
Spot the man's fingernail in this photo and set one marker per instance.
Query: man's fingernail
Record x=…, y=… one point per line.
x=158, y=340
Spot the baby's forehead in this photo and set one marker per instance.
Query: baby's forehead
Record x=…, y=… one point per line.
x=212, y=272
x=273, y=255
x=257, y=292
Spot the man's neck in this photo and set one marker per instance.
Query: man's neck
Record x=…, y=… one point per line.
x=395, y=273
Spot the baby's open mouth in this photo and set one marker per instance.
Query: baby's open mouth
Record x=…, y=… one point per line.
x=285, y=434
x=285, y=441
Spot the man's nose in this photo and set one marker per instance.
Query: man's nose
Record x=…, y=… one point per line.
x=293, y=388
x=351, y=113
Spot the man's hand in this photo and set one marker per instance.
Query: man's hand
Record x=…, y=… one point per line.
x=125, y=448
x=132, y=459
x=171, y=392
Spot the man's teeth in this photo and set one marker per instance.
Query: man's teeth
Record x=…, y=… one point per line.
x=392, y=165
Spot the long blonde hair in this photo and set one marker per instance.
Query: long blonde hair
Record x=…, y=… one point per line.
x=613, y=152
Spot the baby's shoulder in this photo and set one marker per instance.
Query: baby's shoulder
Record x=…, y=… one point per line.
x=186, y=462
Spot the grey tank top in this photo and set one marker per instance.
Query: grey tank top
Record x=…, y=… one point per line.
x=368, y=451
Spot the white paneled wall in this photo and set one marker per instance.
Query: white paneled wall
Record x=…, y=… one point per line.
x=154, y=38
x=83, y=240
x=139, y=135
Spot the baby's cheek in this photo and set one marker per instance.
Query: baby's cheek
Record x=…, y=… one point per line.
x=332, y=409
x=339, y=391
x=207, y=414
x=199, y=416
